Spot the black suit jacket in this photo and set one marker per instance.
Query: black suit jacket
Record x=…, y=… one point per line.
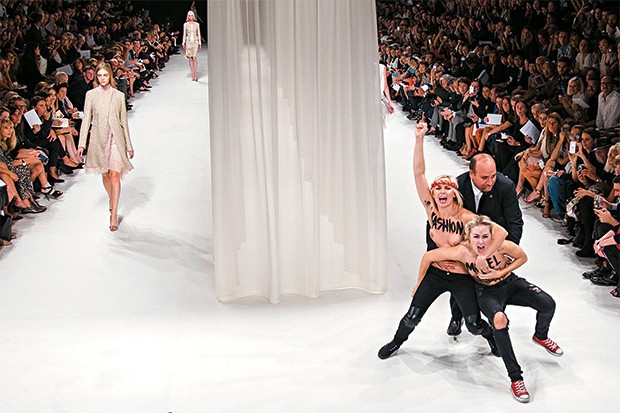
x=34, y=35
x=76, y=92
x=500, y=204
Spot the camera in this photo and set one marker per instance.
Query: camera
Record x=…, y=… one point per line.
x=572, y=147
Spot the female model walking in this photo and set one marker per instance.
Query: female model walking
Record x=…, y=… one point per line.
x=191, y=43
x=109, y=146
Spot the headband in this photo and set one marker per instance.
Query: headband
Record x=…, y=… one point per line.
x=442, y=182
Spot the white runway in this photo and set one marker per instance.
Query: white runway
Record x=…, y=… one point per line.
x=93, y=321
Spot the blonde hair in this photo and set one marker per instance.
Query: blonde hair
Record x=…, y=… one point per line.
x=474, y=222
x=107, y=68
x=613, y=156
x=190, y=13
x=11, y=142
x=458, y=198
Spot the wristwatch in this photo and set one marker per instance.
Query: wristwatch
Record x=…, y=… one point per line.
x=24, y=162
x=598, y=180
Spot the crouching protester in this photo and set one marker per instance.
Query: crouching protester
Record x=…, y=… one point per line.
x=498, y=288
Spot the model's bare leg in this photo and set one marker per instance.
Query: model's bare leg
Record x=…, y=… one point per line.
x=193, y=64
x=115, y=193
x=108, y=188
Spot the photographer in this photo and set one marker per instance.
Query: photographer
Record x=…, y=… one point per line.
x=566, y=180
x=50, y=53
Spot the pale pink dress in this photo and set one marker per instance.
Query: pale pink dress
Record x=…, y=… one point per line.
x=112, y=158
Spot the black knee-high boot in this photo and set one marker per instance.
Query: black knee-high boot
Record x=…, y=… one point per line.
x=405, y=327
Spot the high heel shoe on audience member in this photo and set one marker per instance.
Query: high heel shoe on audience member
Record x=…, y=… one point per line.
x=39, y=206
x=49, y=190
x=32, y=209
x=471, y=154
x=65, y=169
x=14, y=216
x=532, y=197
x=53, y=180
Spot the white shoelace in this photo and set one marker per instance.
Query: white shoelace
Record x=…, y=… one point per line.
x=520, y=387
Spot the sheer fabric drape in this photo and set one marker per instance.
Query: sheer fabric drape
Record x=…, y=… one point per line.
x=297, y=148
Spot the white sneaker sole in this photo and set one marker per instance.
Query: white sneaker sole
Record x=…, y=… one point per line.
x=549, y=351
x=520, y=399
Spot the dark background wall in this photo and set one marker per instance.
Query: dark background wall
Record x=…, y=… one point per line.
x=175, y=11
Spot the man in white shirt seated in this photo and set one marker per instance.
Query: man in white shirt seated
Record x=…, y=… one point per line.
x=608, y=115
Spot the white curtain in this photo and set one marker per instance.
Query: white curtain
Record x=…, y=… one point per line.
x=297, y=147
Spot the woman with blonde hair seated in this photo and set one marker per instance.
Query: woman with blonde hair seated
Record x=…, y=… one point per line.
x=15, y=173
x=541, y=157
x=574, y=90
x=33, y=159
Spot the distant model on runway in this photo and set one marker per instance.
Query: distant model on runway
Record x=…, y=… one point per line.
x=497, y=288
x=109, y=146
x=192, y=43
x=446, y=217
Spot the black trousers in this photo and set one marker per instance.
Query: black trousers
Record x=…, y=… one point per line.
x=516, y=291
x=587, y=217
x=436, y=282
x=54, y=149
x=505, y=160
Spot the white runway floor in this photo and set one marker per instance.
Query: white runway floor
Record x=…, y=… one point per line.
x=93, y=321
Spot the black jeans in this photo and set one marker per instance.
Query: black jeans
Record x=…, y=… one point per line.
x=516, y=291
x=436, y=282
